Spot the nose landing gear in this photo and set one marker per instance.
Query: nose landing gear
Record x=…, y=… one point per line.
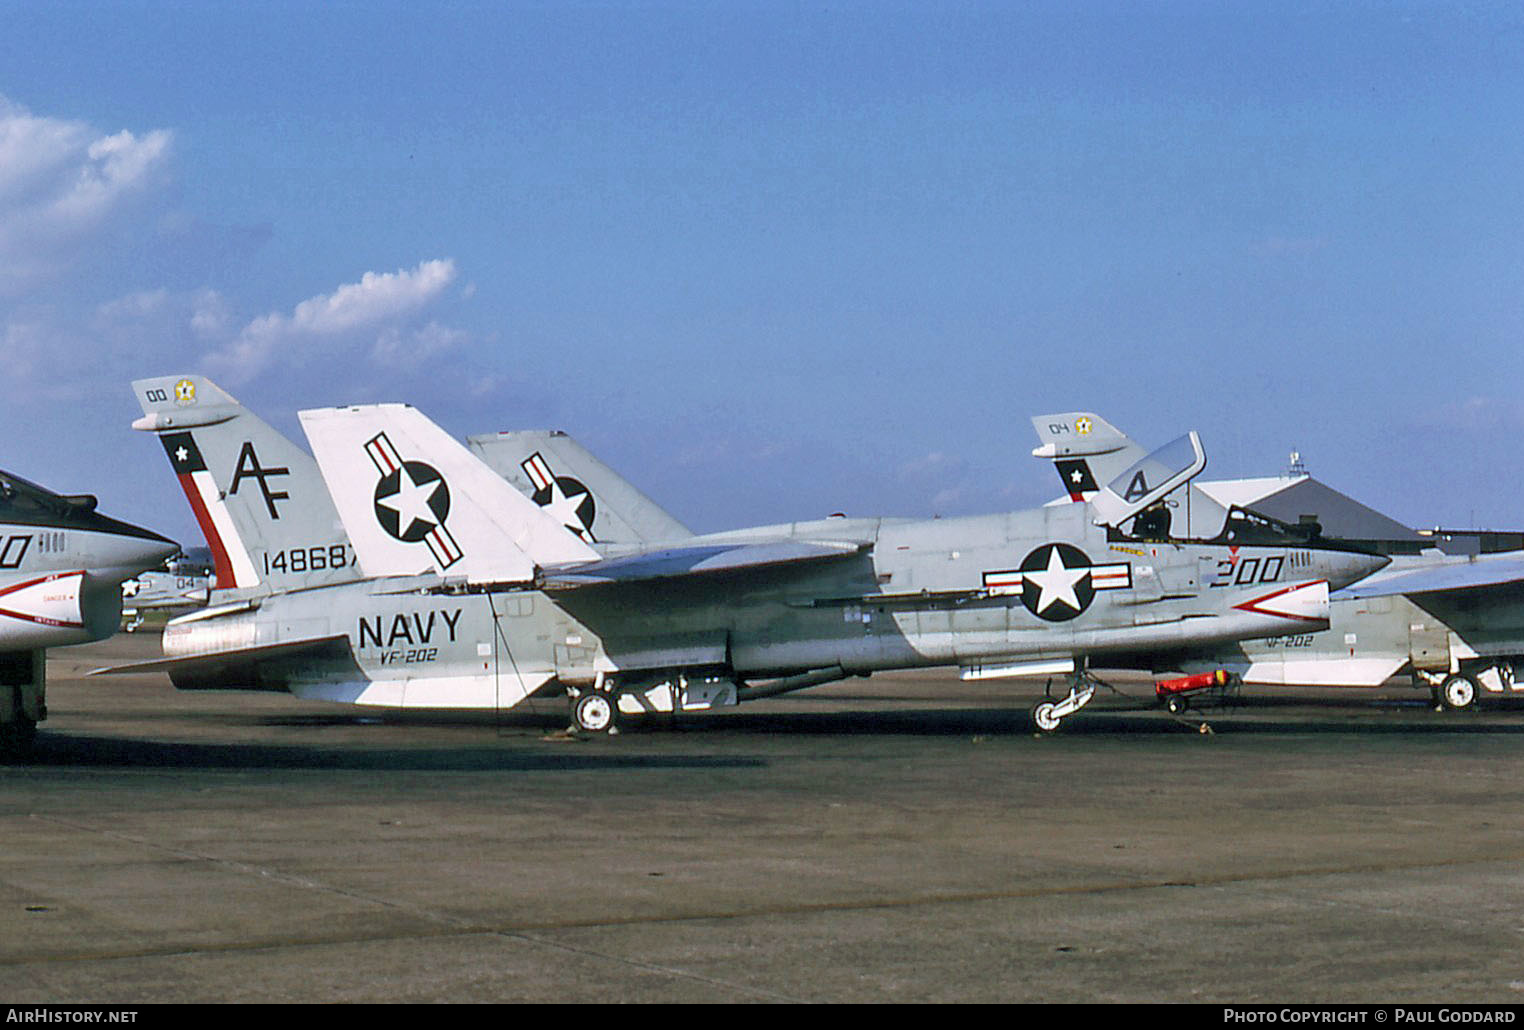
x=1049, y=714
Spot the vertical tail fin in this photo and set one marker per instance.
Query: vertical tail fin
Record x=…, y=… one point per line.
x=414, y=499
x=1090, y=452
x=258, y=497
x=584, y=494
x=1087, y=451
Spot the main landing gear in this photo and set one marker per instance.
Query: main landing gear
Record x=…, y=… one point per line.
x=1460, y=691
x=1457, y=693
x=596, y=711
x=601, y=707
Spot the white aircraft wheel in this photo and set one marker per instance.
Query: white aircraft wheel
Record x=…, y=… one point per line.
x=1043, y=717
x=594, y=712
x=1174, y=705
x=1458, y=693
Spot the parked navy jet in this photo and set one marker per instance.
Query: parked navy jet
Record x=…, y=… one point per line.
x=465, y=593
x=814, y=601
x=1455, y=623
x=62, y=565
x=1466, y=621
x=179, y=586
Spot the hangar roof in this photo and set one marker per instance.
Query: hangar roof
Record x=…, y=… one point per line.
x=1295, y=498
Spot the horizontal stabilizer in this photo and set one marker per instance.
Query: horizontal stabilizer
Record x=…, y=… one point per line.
x=1080, y=434
x=697, y=561
x=232, y=670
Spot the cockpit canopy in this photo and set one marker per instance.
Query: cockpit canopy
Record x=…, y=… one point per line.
x=1149, y=479
x=24, y=501
x=1137, y=506
x=1244, y=527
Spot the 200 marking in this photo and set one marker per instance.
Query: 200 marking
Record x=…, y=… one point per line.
x=1248, y=571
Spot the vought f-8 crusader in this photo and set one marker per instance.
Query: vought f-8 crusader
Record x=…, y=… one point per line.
x=463, y=592
x=62, y=566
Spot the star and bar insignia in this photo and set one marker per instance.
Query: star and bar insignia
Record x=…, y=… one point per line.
x=1058, y=582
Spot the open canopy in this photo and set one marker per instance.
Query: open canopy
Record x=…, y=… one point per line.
x=1149, y=479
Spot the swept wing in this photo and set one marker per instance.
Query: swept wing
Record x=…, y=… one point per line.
x=1454, y=579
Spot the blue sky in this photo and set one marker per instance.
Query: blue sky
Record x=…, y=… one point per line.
x=774, y=260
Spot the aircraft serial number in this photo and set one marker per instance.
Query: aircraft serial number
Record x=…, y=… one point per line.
x=308, y=559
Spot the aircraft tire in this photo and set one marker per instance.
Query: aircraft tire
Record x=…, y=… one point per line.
x=1175, y=705
x=1458, y=693
x=1043, y=717
x=595, y=712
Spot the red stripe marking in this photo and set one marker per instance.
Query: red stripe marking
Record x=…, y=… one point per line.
x=539, y=471
x=1252, y=605
x=40, y=579
x=380, y=453
x=40, y=620
x=221, y=565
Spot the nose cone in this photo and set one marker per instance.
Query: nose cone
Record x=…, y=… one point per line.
x=152, y=553
x=1346, y=567
x=123, y=551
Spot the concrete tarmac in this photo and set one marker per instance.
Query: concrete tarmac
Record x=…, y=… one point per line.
x=905, y=838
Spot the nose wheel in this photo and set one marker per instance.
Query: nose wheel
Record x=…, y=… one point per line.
x=1048, y=714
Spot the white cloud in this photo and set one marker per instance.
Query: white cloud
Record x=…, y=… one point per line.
x=411, y=350
x=209, y=316
x=60, y=184
x=377, y=296
x=133, y=307
x=371, y=308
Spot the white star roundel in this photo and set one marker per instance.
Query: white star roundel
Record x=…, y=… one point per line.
x=411, y=500
x=570, y=503
x=1056, y=583
x=566, y=500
